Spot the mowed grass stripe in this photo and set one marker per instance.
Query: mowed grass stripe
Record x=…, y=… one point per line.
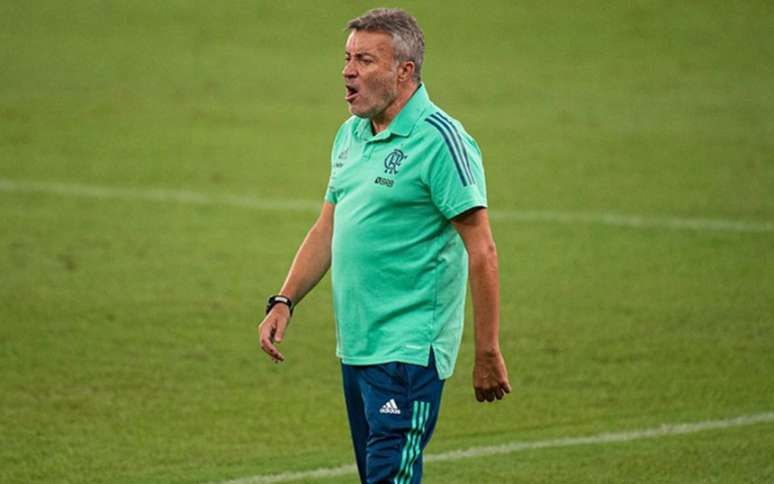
x=665, y=430
x=311, y=206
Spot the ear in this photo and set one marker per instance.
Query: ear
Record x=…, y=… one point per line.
x=406, y=71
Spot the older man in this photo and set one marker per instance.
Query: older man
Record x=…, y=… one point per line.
x=403, y=227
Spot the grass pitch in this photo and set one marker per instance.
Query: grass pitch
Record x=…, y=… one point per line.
x=127, y=348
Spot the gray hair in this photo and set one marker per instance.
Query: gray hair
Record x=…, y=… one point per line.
x=407, y=38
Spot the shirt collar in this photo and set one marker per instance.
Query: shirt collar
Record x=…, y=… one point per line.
x=404, y=122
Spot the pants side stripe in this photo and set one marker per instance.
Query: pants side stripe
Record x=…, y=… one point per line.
x=404, y=460
x=424, y=411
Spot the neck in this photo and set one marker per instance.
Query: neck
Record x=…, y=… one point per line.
x=380, y=122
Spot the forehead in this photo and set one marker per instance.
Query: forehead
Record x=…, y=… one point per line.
x=362, y=42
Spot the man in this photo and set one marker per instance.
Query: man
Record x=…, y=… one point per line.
x=403, y=221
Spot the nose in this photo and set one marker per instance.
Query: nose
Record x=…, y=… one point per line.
x=349, y=71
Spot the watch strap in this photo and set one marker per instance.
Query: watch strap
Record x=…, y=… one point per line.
x=279, y=299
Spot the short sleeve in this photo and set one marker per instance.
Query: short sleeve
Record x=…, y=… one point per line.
x=456, y=173
x=330, y=192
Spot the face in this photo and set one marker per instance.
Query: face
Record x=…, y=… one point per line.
x=370, y=73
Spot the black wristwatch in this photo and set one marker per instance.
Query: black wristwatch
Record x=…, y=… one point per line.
x=279, y=299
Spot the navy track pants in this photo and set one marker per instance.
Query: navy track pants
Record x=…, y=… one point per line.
x=392, y=410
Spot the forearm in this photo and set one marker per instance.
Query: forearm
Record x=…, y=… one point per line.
x=309, y=265
x=485, y=291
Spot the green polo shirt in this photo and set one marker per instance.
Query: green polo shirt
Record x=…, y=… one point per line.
x=399, y=267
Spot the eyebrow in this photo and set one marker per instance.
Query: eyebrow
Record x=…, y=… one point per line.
x=360, y=54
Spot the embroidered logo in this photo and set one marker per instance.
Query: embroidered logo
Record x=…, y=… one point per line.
x=392, y=161
x=384, y=181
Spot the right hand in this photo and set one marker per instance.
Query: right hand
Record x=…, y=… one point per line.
x=272, y=330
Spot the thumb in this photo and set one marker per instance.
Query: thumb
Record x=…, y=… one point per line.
x=279, y=332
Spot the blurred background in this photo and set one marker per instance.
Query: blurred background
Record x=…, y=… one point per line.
x=160, y=162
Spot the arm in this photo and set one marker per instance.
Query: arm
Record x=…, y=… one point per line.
x=490, y=376
x=309, y=266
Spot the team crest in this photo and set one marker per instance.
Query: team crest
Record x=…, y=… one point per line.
x=392, y=161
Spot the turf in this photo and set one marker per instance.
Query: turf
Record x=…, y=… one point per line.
x=127, y=344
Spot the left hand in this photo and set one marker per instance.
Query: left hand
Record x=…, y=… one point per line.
x=490, y=377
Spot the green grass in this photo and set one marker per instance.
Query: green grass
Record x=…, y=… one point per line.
x=127, y=348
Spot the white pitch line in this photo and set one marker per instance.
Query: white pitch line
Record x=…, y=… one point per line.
x=310, y=206
x=158, y=195
x=634, y=221
x=473, y=452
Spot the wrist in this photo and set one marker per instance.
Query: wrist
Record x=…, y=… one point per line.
x=487, y=351
x=280, y=311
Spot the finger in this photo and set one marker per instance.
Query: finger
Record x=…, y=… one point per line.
x=499, y=393
x=490, y=396
x=479, y=395
x=506, y=387
x=269, y=353
x=277, y=357
x=268, y=333
x=279, y=331
x=271, y=350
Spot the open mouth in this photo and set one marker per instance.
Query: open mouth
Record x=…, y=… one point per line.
x=351, y=93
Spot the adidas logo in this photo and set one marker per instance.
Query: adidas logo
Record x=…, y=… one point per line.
x=390, y=407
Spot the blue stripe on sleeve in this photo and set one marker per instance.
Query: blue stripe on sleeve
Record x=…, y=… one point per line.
x=450, y=145
x=461, y=144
